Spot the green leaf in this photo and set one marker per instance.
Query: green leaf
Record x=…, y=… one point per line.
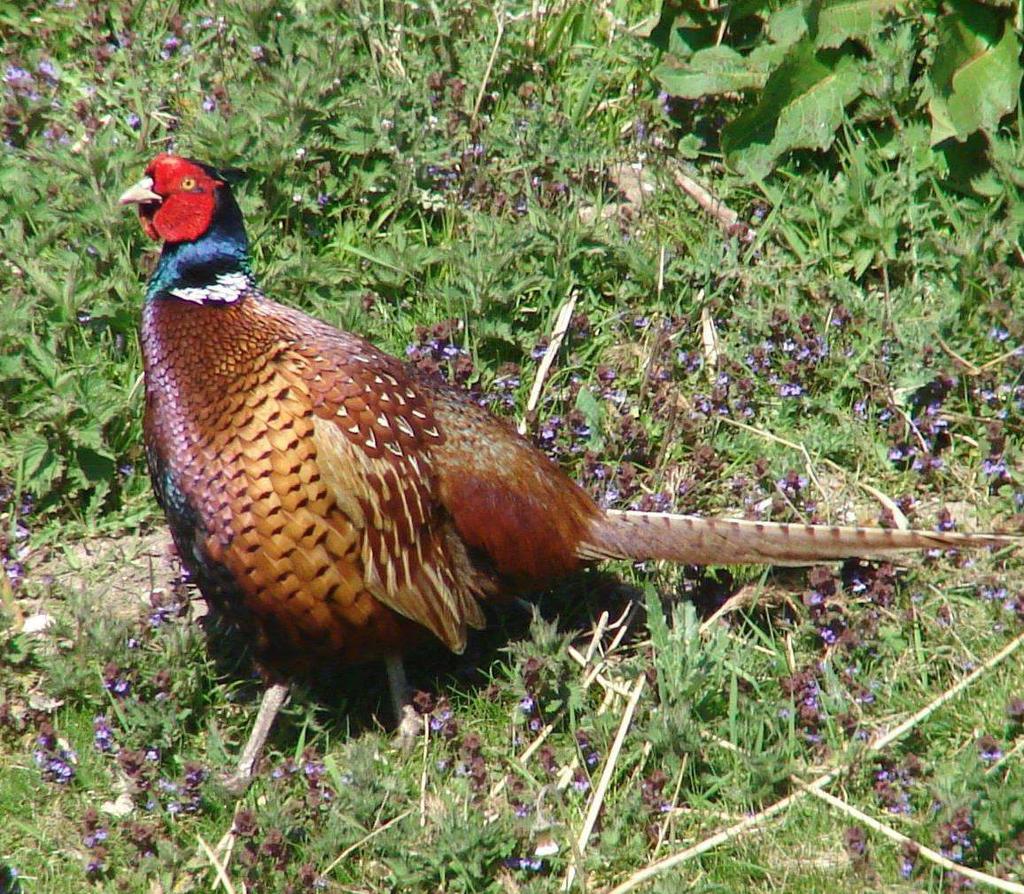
x=39, y=464
x=976, y=74
x=714, y=70
x=96, y=465
x=592, y=411
x=801, y=107
x=688, y=147
x=833, y=22
x=787, y=25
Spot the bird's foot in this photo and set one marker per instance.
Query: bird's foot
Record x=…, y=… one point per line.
x=410, y=729
x=410, y=723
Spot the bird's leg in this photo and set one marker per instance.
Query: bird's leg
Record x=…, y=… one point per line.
x=274, y=698
x=410, y=725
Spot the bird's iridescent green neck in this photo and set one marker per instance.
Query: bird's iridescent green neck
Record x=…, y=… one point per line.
x=220, y=254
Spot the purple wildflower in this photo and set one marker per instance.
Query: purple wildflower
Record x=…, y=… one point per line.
x=580, y=780
x=48, y=70
x=115, y=682
x=989, y=750
x=55, y=761
x=103, y=735
x=529, y=864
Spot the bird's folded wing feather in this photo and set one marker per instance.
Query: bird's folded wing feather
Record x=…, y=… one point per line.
x=373, y=434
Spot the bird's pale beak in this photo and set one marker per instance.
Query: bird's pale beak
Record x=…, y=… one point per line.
x=140, y=193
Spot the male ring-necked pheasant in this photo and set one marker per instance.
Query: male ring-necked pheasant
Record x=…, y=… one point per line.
x=341, y=506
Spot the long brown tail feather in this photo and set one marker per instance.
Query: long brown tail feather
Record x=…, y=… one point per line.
x=725, y=541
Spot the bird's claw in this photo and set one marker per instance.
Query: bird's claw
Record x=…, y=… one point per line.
x=410, y=729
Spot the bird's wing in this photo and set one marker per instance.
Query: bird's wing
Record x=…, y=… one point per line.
x=373, y=432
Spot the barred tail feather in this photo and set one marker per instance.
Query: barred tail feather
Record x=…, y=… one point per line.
x=725, y=541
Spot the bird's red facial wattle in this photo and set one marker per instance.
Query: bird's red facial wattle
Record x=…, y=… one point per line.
x=176, y=199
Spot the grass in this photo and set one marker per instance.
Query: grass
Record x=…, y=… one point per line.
x=411, y=176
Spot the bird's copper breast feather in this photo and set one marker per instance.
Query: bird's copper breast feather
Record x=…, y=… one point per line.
x=229, y=426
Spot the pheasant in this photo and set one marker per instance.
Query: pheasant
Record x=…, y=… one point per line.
x=341, y=507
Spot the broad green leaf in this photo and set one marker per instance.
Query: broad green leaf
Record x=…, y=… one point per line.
x=787, y=25
x=40, y=464
x=96, y=465
x=720, y=69
x=976, y=74
x=713, y=70
x=832, y=22
x=801, y=106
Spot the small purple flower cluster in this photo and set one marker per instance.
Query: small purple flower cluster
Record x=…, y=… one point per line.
x=591, y=756
x=54, y=758
x=472, y=764
x=894, y=782
x=524, y=864
x=20, y=83
x=652, y=794
x=501, y=395
x=439, y=714
x=995, y=465
x=804, y=693
x=999, y=397
x=789, y=355
x=908, y=859
x=141, y=767
x=824, y=611
x=917, y=440
x=176, y=43
x=94, y=834
x=560, y=436
x=14, y=534
x=115, y=681
x=143, y=836
x=953, y=837
x=184, y=796
x=169, y=605
x=1012, y=603
x=855, y=840
x=548, y=760
x=731, y=395
x=311, y=772
x=103, y=735
x=792, y=488
x=267, y=854
x=536, y=691
x=874, y=588
x=989, y=749
x=436, y=352
x=515, y=785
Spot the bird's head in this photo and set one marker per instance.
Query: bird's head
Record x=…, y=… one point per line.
x=178, y=199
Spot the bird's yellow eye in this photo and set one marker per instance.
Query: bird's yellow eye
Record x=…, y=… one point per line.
x=188, y=183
